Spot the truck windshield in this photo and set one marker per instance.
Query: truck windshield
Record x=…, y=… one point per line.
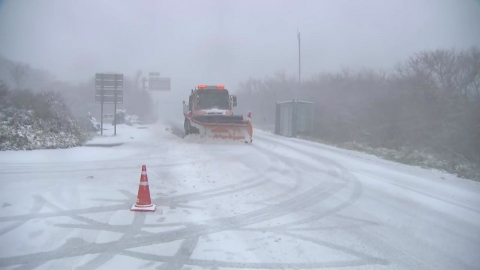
x=214, y=99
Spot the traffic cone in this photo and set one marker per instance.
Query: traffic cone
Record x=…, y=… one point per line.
x=144, y=203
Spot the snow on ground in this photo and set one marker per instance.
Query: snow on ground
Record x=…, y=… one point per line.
x=278, y=203
x=125, y=134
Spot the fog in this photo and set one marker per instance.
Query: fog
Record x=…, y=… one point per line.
x=356, y=164
x=226, y=42
x=219, y=42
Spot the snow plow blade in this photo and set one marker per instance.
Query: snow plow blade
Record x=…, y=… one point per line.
x=219, y=119
x=232, y=127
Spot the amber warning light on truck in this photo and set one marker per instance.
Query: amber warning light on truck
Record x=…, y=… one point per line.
x=203, y=86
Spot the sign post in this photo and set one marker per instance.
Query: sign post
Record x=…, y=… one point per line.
x=101, y=109
x=115, y=108
x=109, y=89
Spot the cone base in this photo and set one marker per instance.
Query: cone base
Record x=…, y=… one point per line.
x=141, y=208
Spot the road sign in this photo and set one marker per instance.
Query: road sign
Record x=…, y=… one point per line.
x=109, y=77
x=159, y=84
x=108, y=99
x=109, y=92
x=108, y=84
x=111, y=86
x=109, y=89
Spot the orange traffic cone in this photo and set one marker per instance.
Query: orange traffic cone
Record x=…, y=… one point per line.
x=144, y=203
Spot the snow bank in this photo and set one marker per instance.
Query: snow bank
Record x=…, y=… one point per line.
x=458, y=166
x=125, y=134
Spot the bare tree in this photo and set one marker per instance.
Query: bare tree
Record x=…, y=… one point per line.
x=19, y=73
x=430, y=102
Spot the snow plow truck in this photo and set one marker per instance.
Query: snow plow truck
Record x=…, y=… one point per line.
x=209, y=113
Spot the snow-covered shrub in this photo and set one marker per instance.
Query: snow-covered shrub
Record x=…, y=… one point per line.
x=36, y=121
x=89, y=123
x=423, y=158
x=131, y=119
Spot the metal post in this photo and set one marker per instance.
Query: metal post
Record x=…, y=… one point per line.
x=101, y=110
x=312, y=132
x=294, y=118
x=277, y=118
x=115, y=108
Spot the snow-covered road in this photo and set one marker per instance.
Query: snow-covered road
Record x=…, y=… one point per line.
x=279, y=203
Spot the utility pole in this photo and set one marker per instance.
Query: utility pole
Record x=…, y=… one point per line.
x=115, y=107
x=299, y=59
x=101, y=108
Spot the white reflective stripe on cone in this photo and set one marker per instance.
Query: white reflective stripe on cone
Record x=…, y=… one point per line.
x=143, y=183
x=144, y=173
x=140, y=206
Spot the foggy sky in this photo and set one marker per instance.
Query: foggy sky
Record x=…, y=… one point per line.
x=228, y=41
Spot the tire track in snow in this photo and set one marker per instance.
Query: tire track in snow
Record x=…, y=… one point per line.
x=254, y=265
x=128, y=203
x=192, y=232
x=182, y=255
x=134, y=229
x=212, y=226
x=394, y=253
x=37, y=206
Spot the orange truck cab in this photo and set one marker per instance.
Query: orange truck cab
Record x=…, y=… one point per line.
x=209, y=113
